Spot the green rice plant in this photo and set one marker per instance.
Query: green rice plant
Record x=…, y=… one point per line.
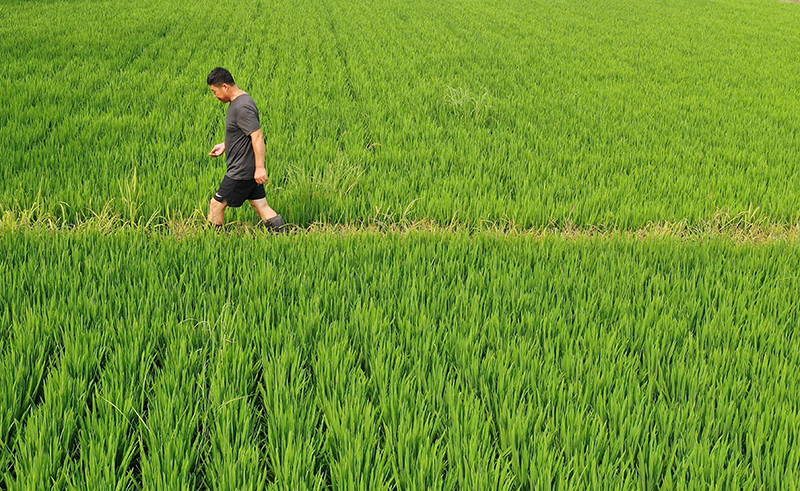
x=110, y=441
x=472, y=460
x=414, y=441
x=26, y=363
x=505, y=386
x=235, y=460
x=45, y=450
x=291, y=417
x=172, y=444
x=352, y=445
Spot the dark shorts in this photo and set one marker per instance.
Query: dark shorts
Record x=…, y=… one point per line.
x=236, y=192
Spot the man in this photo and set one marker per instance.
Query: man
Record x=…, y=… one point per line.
x=245, y=149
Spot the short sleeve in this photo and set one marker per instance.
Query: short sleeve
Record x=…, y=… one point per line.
x=247, y=119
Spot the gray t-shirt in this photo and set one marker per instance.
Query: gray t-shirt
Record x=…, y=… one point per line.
x=242, y=119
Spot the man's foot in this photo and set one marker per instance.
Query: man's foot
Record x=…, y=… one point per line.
x=276, y=225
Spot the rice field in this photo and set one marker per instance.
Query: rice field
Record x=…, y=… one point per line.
x=614, y=113
x=536, y=245
x=417, y=361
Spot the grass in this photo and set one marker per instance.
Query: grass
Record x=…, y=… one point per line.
x=612, y=114
x=416, y=360
x=750, y=226
x=535, y=245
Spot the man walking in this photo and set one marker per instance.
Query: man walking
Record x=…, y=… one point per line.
x=245, y=149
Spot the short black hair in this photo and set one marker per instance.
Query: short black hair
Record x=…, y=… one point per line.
x=219, y=76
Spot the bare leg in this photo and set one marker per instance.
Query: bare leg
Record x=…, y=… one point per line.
x=216, y=212
x=269, y=218
x=263, y=209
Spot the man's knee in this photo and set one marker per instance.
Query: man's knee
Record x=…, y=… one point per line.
x=262, y=208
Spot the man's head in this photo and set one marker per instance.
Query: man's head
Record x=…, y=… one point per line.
x=221, y=83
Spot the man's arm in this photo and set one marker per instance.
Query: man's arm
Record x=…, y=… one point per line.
x=257, y=137
x=218, y=150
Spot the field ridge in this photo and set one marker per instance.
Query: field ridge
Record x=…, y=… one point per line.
x=750, y=226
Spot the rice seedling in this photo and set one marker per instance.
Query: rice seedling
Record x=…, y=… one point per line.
x=172, y=446
x=551, y=245
x=44, y=453
x=427, y=360
x=591, y=113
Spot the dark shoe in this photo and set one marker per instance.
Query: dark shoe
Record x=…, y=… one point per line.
x=276, y=225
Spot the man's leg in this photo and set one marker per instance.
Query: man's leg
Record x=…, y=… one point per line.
x=216, y=212
x=269, y=218
x=263, y=209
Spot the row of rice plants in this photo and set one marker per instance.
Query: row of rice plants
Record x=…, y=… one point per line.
x=236, y=457
x=287, y=398
x=418, y=361
x=615, y=113
x=44, y=450
x=27, y=359
x=173, y=448
x=110, y=437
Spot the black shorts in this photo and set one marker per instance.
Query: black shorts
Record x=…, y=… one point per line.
x=235, y=192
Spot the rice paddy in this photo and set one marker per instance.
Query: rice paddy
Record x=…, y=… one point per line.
x=536, y=245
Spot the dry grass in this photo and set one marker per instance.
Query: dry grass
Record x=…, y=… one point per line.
x=750, y=226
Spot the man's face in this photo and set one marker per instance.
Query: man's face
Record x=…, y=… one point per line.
x=221, y=92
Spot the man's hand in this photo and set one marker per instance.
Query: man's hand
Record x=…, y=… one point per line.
x=261, y=175
x=218, y=150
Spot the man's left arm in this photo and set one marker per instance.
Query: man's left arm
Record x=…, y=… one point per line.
x=257, y=137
